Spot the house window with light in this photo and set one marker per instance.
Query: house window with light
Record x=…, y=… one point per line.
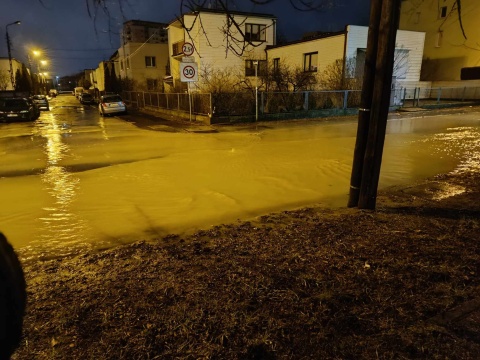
x=250, y=67
x=255, y=32
x=150, y=61
x=310, y=61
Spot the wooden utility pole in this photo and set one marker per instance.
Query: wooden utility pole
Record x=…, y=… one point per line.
x=365, y=103
x=384, y=20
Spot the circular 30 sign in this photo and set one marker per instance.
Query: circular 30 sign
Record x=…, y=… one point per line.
x=188, y=72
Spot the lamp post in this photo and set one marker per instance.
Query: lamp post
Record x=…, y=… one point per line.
x=10, y=52
x=256, y=89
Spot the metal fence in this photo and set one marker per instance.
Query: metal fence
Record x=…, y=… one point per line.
x=419, y=96
x=303, y=102
x=200, y=104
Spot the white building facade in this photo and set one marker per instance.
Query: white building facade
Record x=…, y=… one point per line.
x=315, y=54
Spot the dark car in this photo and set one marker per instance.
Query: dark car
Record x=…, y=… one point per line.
x=16, y=109
x=86, y=98
x=35, y=107
x=41, y=101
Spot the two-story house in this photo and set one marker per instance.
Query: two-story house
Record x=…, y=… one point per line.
x=233, y=41
x=143, y=54
x=452, y=40
x=314, y=54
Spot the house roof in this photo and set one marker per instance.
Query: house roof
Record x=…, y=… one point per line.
x=310, y=37
x=144, y=23
x=231, y=12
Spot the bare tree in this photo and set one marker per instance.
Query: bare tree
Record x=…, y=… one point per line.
x=4, y=79
x=235, y=39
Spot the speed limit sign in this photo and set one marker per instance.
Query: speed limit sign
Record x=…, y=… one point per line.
x=188, y=72
x=187, y=49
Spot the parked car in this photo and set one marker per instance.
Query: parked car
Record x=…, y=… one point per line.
x=78, y=91
x=16, y=109
x=87, y=98
x=111, y=104
x=41, y=101
x=35, y=107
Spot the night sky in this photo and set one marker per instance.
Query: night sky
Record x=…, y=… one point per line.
x=72, y=40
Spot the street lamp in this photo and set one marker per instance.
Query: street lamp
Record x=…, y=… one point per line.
x=10, y=52
x=255, y=62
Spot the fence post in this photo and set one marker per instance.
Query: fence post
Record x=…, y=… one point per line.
x=464, y=91
x=404, y=95
x=345, y=100
x=178, y=101
x=262, y=98
x=418, y=97
x=211, y=106
x=305, y=102
x=439, y=96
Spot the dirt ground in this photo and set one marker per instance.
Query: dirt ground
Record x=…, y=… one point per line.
x=312, y=283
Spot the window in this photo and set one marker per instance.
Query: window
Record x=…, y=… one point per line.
x=255, y=32
x=438, y=39
x=250, y=67
x=310, y=62
x=150, y=61
x=128, y=63
x=416, y=18
x=121, y=65
x=276, y=64
x=442, y=13
x=152, y=84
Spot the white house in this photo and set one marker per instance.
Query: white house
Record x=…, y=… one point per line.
x=315, y=53
x=230, y=42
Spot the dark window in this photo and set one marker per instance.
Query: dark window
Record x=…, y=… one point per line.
x=470, y=73
x=443, y=12
x=310, y=62
x=250, y=67
x=276, y=64
x=150, y=61
x=255, y=32
x=152, y=84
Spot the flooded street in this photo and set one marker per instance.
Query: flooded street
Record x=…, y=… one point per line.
x=74, y=181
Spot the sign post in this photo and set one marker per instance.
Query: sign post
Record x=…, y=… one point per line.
x=188, y=70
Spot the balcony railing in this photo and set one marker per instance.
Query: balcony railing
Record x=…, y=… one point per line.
x=177, y=48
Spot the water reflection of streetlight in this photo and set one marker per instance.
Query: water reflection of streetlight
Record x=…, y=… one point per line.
x=61, y=184
x=255, y=62
x=10, y=51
